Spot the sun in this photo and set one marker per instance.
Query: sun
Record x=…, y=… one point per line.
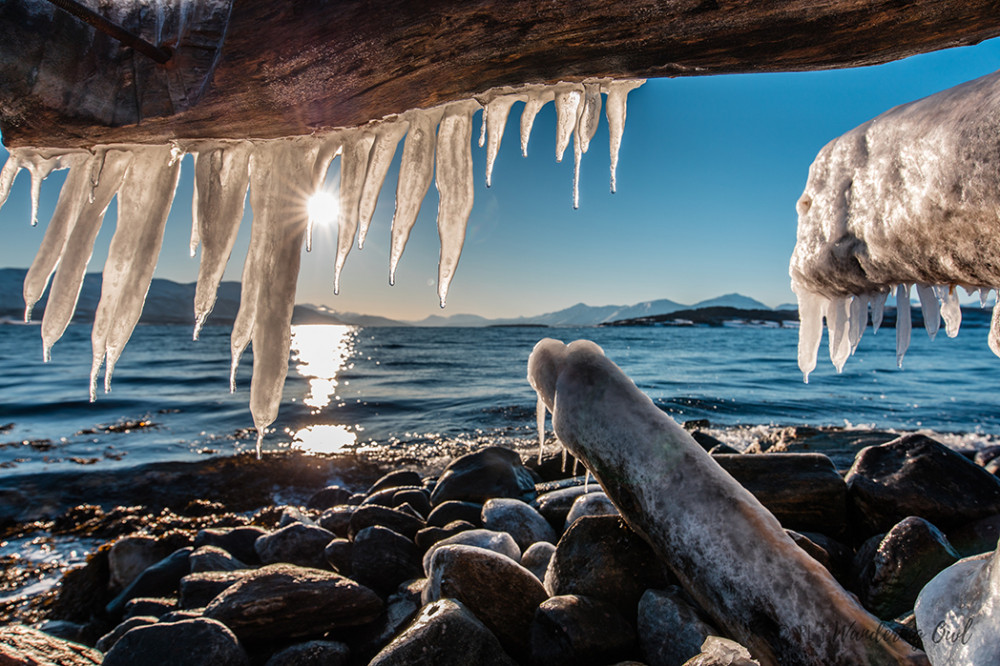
x=323, y=208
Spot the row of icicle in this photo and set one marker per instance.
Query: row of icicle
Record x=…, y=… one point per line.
x=280, y=175
x=847, y=318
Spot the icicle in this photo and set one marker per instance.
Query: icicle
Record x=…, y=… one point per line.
x=537, y=98
x=586, y=127
x=951, y=310
x=878, y=309
x=540, y=422
x=221, y=178
x=416, y=169
x=994, y=337
x=482, y=126
x=53, y=245
x=902, y=322
x=811, y=308
x=143, y=205
x=330, y=146
x=586, y=482
x=859, y=320
x=68, y=279
x=39, y=162
x=10, y=170
x=387, y=137
x=930, y=308
x=455, y=186
x=838, y=323
x=984, y=296
x=568, y=102
x=616, y=110
x=563, y=468
x=496, y=113
x=576, y=462
x=353, y=165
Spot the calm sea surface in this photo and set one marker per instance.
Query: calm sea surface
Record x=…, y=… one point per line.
x=432, y=391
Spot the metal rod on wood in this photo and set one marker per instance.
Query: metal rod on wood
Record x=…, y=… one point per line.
x=115, y=31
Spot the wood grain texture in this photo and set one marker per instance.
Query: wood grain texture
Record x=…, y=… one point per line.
x=291, y=68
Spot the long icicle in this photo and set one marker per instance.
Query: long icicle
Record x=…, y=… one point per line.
x=540, y=423
x=496, y=113
x=589, y=115
x=537, y=98
x=569, y=98
x=353, y=165
x=616, y=110
x=455, y=188
x=903, y=322
x=416, y=170
x=387, y=138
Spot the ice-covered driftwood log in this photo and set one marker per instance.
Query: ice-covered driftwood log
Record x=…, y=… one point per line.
x=729, y=552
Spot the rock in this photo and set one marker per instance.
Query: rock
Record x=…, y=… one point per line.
x=445, y=633
x=338, y=555
x=452, y=510
x=154, y=606
x=337, y=519
x=804, y=491
x=311, y=653
x=384, y=497
x=810, y=546
x=723, y=449
x=477, y=477
x=185, y=643
x=418, y=498
x=198, y=589
x=23, y=645
x=498, y=542
x=916, y=476
x=382, y=559
x=517, y=519
x=910, y=554
x=130, y=556
x=670, y=630
x=107, y=641
x=328, y=497
x=429, y=536
x=213, y=558
x=237, y=541
x=569, y=630
x=958, y=613
x=68, y=631
x=286, y=601
x=985, y=455
x=837, y=554
x=536, y=559
x=396, y=479
x=397, y=521
x=293, y=514
x=718, y=651
x=356, y=499
x=400, y=609
x=591, y=504
x=601, y=557
x=979, y=536
x=296, y=544
x=496, y=589
x=555, y=505
x=159, y=580
x=178, y=615
x=705, y=440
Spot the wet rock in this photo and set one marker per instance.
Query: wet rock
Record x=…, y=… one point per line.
x=328, y=497
x=574, y=630
x=185, y=643
x=477, y=477
x=356, y=499
x=601, y=557
x=808, y=545
x=723, y=449
x=910, y=554
x=498, y=542
x=154, y=606
x=384, y=497
x=198, y=589
x=445, y=633
x=536, y=559
x=382, y=559
x=23, y=645
x=237, y=541
x=397, y=521
x=159, y=580
x=286, y=601
x=555, y=505
x=517, y=519
x=293, y=514
x=671, y=630
x=68, y=631
x=987, y=454
x=837, y=554
x=400, y=609
x=296, y=543
x=429, y=536
x=107, y=641
x=131, y=555
x=917, y=476
x=976, y=537
x=499, y=591
x=452, y=510
x=213, y=558
x=591, y=504
x=418, y=498
x=396, y=479
x=706, y=441
x=337, y=519
x=338, y=555
x=717, y=651
x=311, y=653
x=178, y=615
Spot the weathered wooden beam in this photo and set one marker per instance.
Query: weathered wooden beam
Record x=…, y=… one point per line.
x=289, y=68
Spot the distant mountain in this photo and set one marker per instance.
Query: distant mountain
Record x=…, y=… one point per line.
x=738, y=301
x=320, y=314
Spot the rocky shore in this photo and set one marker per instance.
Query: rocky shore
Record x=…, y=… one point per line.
x=493, y=559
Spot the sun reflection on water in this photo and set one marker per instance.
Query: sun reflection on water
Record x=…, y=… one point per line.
x=324, y=438
x=320, y=353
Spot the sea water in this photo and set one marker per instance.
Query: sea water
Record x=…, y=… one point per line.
x=426, y=392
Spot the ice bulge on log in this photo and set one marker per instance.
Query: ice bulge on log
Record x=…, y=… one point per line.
x=910, y=198
x=759, y=586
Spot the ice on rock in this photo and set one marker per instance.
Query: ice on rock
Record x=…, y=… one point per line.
x=143, y=204
x=357, y=146
x=586, y=127
x=537, y=98
x=416, y=170
x=39, y=162
x=878, y=309
x=569, y=100
x=495, y=116
x=540, y=423
x=838, y=318
x=859, y=319
x=951, y=310
x=931, y=309
x=811, y=311
x=455, y=189
x=387, y=138
x=903, y=322
x=616, y=110
x=994, y=337
x=221, y=179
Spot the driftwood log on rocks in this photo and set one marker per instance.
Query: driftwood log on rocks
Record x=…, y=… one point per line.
x=292, y=68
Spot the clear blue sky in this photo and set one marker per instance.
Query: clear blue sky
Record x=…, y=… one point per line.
x=709, y=173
